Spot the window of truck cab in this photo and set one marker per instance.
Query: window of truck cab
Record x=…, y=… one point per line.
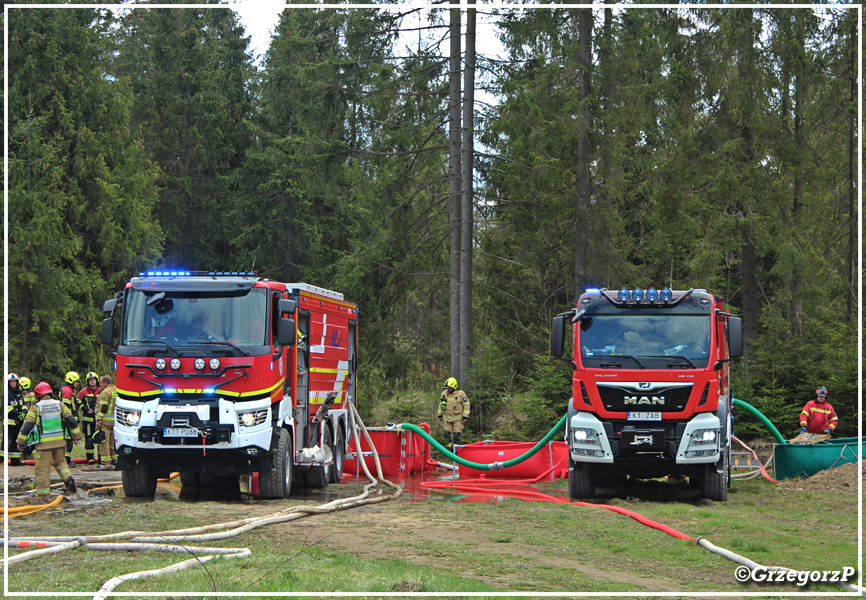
x=653, y=338
x=183, y=318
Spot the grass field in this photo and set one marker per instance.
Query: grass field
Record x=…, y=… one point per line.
x=446, y=545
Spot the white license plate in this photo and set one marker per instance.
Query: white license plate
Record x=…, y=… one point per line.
x=644, y=416
x=180, y=432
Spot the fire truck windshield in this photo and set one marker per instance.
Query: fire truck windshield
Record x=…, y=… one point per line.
x=189, y=318
x=640, y=340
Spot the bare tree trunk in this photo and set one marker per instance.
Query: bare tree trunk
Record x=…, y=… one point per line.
x=852, y=207
x=581, y=213
x=800, y=138
x=454, y=185
x=466, y=226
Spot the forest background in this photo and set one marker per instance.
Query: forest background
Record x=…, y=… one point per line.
x=692, y=147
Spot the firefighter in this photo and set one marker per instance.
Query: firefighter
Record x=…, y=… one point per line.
x=105, y=423
x=453, y=410
x=68, y=393
x=818, y=416
x=47, y=418
x=87, y=403
x=14, y=418
x=29, y=396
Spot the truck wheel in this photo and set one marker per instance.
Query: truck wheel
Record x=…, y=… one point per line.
x=715, y=485
x=581, y=482
x=138, y=481
x=208, y=479
x=318, y=477
x=190, y=479
x=278, y=483
x=339, y=457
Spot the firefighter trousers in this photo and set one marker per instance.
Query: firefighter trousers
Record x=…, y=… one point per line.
x=42, y=471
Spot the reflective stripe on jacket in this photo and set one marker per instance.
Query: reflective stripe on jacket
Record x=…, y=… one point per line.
x=818, y=416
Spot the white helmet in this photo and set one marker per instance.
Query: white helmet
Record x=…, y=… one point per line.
x=12, y=377
x=160, y=320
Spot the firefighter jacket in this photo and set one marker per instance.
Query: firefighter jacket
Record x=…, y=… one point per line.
x=48, y=416
x=818, y=416
x=88, y=403
x=17, y=406
x=453, y=406
x=105, y=412
x=67, y=396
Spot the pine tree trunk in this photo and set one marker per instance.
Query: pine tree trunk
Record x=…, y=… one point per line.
x=581, y=213
x=454, y=185
x=466, y=226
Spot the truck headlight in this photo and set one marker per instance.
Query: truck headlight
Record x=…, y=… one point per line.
x=583, y=435
x=253, y=417
x=129, y=418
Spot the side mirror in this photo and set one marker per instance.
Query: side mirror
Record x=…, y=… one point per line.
x=286, y=332
x=286, y=306
x=108, y=306
x=557, y=336
x=107, y=330
x=735, y=337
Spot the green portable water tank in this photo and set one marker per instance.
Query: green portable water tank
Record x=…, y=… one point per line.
x=791, y=461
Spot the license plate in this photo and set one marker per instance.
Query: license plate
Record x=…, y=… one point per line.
x=644, y=416
x=180, y=432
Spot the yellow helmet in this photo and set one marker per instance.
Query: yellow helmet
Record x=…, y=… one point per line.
x=24, y=382
x=451, y=383
x=72, y=377
x=90, y=376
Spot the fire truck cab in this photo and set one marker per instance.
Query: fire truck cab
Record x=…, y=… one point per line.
x=651, y=387
x=225, y=373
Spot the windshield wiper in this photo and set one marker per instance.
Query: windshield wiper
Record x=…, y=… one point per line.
x=140, y=341
x=213, y=343
x=618, y=356
x=679, y=356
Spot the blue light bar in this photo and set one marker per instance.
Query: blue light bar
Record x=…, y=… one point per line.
x=209, y=391
x=169, y=390
x=592, y=290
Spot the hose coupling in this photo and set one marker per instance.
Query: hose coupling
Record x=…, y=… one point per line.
x=496, y=466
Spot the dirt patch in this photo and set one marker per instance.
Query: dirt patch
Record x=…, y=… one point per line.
x=838, y=480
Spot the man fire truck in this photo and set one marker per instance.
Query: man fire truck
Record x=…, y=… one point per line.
x=225, y=373
x=651, y=387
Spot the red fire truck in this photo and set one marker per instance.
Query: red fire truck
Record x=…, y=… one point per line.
x=651, y=387
x=225, y=373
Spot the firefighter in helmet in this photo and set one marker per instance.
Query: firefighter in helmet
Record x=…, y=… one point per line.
x=14, y=418
x=105, y=424
x=42, y=432
x=68, y=393
x=29, y=396
x=818, y=416
x=453, y=410
x=87, y=404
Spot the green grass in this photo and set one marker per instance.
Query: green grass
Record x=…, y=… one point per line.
x=511, y=546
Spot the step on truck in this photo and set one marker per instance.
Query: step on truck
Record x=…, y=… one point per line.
x=225, y=373
x=651, y=393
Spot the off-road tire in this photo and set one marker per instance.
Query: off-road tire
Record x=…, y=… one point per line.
x=318, y=477
x=208, y=479
x=339, y=457
x=278, y=483
x=139, y=481
x=581, y=481
x=715, y=484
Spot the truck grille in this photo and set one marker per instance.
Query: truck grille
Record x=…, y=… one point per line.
x=625, y=396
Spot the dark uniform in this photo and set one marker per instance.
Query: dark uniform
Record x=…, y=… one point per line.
x=14, y=418
x=86, y=412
